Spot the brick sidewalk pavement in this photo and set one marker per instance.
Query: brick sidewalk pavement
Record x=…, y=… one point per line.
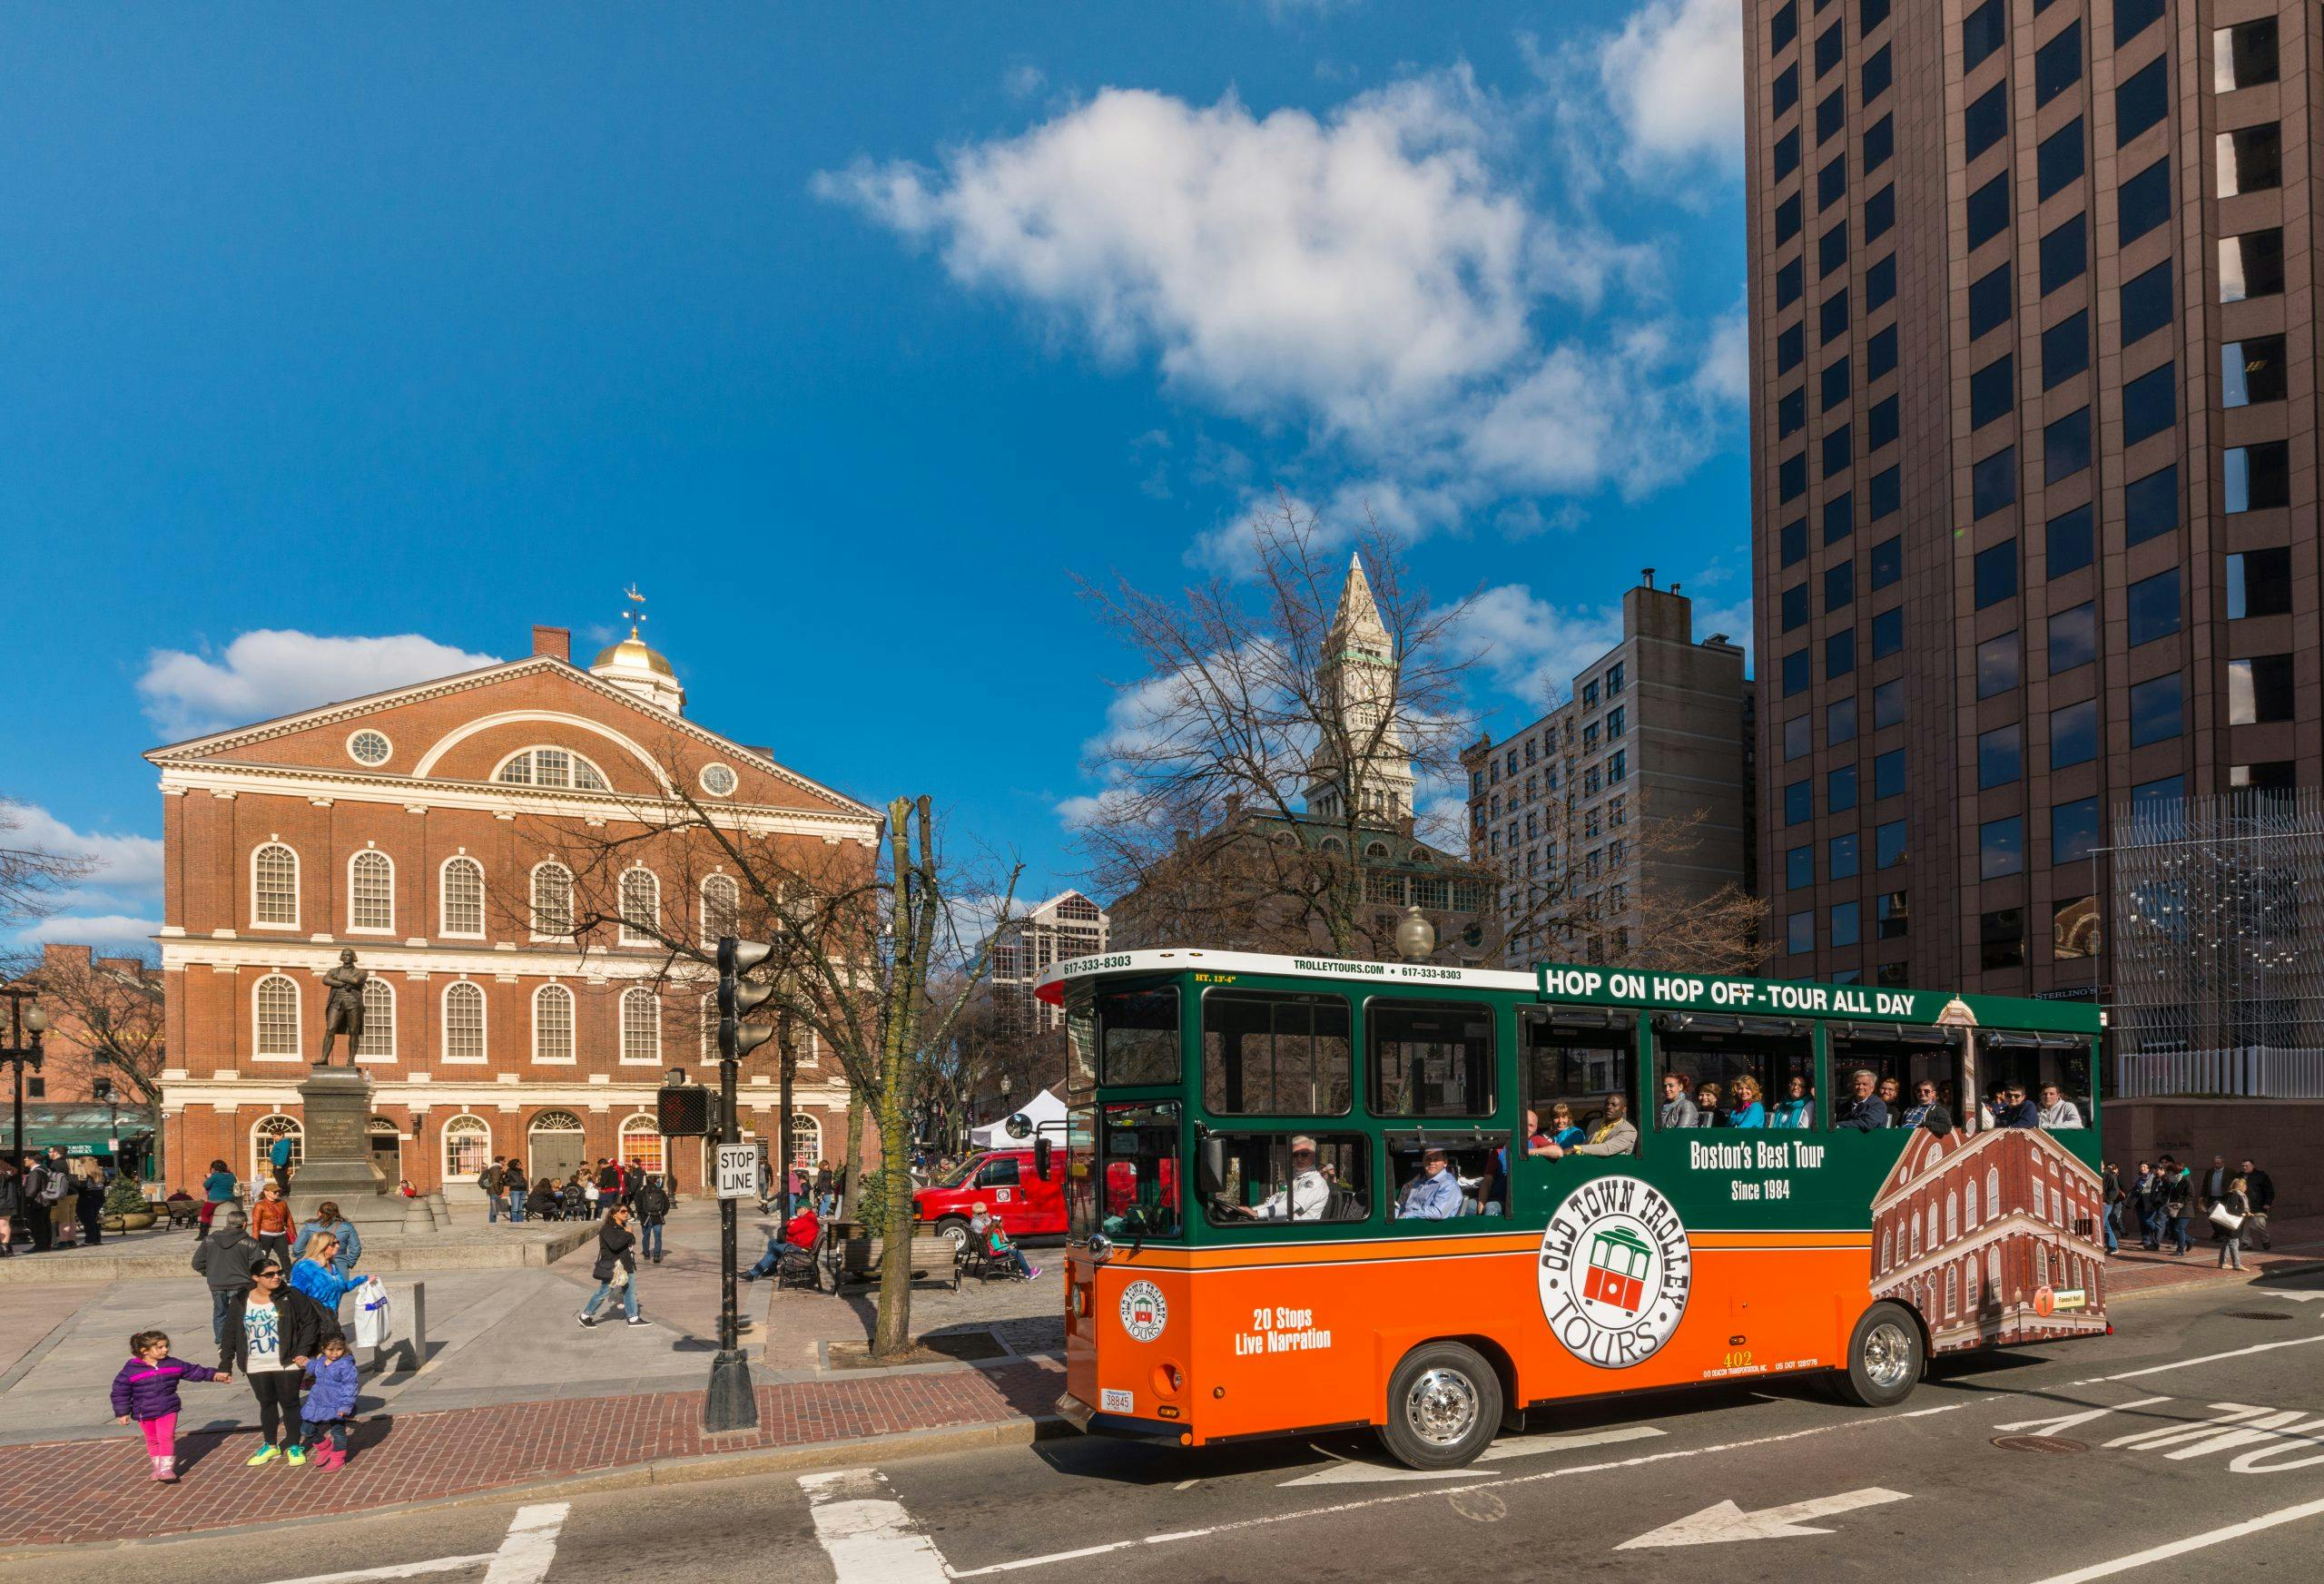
x=74, y=1492
x=2132, y=1269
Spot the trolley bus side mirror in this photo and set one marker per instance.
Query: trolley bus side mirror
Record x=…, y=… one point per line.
x=1214, y=1166
x=1041, y=1153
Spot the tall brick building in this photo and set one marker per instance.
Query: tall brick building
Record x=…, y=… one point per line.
x=426, y=828
x=2034, y=470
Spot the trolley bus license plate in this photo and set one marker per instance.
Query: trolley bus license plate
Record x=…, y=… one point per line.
x=1113, y=1400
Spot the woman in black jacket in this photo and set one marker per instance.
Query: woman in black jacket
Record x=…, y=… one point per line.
x=271, y=1332
x=617, y=1266
x=12, y=1207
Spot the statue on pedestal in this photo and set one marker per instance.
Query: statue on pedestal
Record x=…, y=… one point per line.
x=344, y=1014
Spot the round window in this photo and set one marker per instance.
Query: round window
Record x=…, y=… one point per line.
x=718, y=781
x=369, y=748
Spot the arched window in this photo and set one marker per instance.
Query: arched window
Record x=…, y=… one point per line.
x=262, y=1136
x=274, y=885
x=710, y=1028
x=2041, y=1265
x=553, y=1024
x=552, y=902
x=806, y=1138
x=641, y=1027
x=379, y=1041
x=371, y=891
x=1916, y=1237
x=463, y=897
x=722, y=906
x=1952, y=1291
x=1932, y=1224
x=641, y=1141
x=1969, y=1284
x=1993, y=1267
x=641, y=908
x=464, y=1023
x=1992, y=1190
x=559, y=767
x=2041, y=1202
x=1969, y=1203
x=1952, y=1217
x=276, y=1001
x=467, y=1147
x=1886, y=1263
x=556, y=1121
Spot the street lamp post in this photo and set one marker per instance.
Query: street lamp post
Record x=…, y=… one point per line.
x=23, y=1020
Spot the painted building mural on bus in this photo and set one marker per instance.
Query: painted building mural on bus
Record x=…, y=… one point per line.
x=1992, y=1237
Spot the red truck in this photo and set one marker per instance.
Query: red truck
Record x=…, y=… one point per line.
x=1009, y=1185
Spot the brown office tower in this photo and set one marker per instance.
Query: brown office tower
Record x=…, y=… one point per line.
x=2034, y=403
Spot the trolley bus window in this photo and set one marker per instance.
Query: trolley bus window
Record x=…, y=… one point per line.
x=1138, y=1035
x=1080, y=1181
x=1901, y=1059
x=1430, y=1058
x=1141, y=1170
x=1275, y=1056
x=1732, y=1072
x=1446, y=1177
x=2032, y=1065
x=1274, y=1177
x=1573, y=1064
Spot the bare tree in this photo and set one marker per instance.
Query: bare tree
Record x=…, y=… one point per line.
x=31, y=876
x=1273, y=737
x=112, y=1008
x=859, y=937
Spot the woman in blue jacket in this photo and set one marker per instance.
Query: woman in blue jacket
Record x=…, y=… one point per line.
x=318, y=1275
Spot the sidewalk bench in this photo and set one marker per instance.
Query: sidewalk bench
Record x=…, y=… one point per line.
x=934, y=1261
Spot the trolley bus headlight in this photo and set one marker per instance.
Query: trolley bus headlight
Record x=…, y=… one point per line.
x=1101, y=1248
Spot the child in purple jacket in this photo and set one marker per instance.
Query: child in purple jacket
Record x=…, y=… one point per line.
x=146, y=1391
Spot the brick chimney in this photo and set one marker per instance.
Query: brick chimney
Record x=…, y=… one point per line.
x=557, y=642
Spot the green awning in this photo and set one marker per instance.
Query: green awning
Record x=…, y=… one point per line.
x=81, y=1129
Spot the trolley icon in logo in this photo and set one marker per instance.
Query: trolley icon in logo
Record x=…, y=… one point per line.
x=1144, y=1312
x=1620, y=1264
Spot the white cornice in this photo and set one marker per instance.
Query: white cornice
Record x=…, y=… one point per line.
x=219, y=743
x=178, y=1093
x=482, y=962
x=227, y=780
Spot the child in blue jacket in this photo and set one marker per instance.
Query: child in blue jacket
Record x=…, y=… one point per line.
x=146, y=1391
x=330, y=1403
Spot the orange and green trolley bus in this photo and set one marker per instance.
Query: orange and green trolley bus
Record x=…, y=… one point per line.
x=1305, y=1193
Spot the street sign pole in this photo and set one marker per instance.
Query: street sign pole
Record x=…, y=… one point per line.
x=731, y=1404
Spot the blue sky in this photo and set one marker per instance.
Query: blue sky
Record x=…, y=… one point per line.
x=849, y=334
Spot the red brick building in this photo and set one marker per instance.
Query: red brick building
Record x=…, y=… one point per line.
x=1984, y=1233
x=432, y=828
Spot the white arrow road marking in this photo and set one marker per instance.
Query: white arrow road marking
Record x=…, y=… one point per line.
x=866, y=1532
x=523, y=1558
x=1348, y=1472
x=2191, y=1543
x=2299, y=1297
x=2065, y=1422
x=1726, y=1521
x=1526, y=1446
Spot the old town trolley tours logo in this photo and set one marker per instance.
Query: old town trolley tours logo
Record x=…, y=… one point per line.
x=1144, y=1312
x=1614, y=1271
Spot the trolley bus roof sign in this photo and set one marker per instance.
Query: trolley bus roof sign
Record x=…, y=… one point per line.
x=1663, y=991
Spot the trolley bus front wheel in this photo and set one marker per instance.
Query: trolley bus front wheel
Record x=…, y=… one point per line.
x=1885, y=1357
x=1443, y=1407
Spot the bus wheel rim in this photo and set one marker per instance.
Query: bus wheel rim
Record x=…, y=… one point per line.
x=1888, y=1355
x=1442, y=1407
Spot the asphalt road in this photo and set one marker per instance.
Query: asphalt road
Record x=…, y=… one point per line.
x=2188, y=1445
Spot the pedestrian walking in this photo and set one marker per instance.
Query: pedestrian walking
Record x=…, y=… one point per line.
x=826, y=1190
x=2258, y=1192
x=330, y=1404
x=89, y=1200
x=225, y=1260
x=514, y=1177
x=44, y=1188
x=617, y=1268
x=217, y=1188
x=2143, y=1204
x=2227, y=1214
x=2178, y=1192
x=318, y=1275
x=12, y=1207
x=145, y=1393
x=329, y=1219
x=278, y=1156
x=271, y=1335
x=2110, y=1202
x=495, y=1193
x=271, y=1224
x=652, y=1206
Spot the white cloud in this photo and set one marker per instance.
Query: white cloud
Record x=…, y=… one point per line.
x=274, y=671
x=130, y=862
x=1023, y=82
x=103, y=930
x=1674, y=76
x=1373, y=276
x=1532, y=648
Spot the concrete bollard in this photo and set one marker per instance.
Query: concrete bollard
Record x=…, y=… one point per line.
x=409, y=1308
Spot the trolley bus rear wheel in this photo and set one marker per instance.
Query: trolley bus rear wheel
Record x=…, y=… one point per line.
x=1443, y=1407
x=1885, y=1358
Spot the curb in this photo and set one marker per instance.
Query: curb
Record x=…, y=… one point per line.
x=735, y=1465
x=2204, y=1278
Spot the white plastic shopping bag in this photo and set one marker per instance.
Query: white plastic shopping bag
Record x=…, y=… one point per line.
x=374, y=1327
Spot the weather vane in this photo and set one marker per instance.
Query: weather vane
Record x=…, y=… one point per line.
x=636, y=613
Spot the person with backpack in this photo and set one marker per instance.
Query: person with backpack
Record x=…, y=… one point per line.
x=490, y=1181
x=652, y=1205
x=224, y=1259
x=617, y=1268
x=47, y=1186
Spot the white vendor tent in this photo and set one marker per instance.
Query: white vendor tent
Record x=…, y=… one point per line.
x=1044, y=1110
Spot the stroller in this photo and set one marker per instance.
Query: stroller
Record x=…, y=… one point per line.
x=573, y=1204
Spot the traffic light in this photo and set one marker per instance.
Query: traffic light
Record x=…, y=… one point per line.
x=683, y=1110
x=736, y=1038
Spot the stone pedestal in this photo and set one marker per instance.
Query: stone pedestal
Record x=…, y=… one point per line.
x=335, y=1154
